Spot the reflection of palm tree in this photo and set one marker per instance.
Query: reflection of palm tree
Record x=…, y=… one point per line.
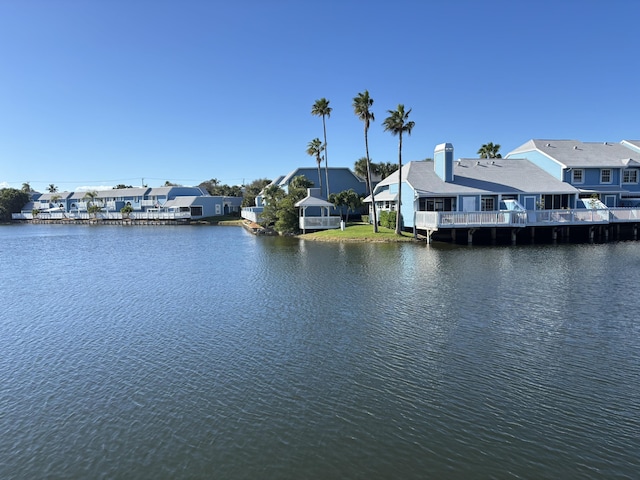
x=322, y=109
x=489, y=150
x=397, y=123
x=314, y=149
x=361, y=105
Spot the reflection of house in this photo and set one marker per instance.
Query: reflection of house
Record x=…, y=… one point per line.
x=340, y=179
x=607, y=170
x=189, y=202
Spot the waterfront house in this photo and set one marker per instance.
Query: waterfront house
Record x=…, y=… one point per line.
x=471, y=194
x=171, y=203
x=608, y=171
x=340, y=179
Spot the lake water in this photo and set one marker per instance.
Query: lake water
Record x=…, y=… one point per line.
x=206, y=352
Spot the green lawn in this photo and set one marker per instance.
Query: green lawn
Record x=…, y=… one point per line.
x=359, y=232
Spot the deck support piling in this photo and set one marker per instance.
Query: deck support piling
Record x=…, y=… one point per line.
x=591, y=234
x=470, y=236
x=514, y=231
x=494, y=235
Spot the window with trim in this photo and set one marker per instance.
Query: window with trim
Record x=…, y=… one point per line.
x=630, y=175
x=605, y=175
x=487, y=204
x=578, y=175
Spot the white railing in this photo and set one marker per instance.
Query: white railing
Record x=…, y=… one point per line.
x=313, y=223
x=103, y=216
x=252, y=213
x=625, y=215
x=148, y=203
x=505, y=218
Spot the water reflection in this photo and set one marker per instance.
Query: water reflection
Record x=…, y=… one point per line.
x=185, y=351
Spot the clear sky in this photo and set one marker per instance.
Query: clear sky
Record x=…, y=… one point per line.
x=102, y=92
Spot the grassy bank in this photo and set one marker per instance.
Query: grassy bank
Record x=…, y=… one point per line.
x=359, y=232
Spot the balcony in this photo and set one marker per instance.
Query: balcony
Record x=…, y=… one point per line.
x=528, y=218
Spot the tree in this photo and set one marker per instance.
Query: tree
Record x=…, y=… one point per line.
x=386, y=169
x=92, y=207
x=252, y=190
x=322, y=109
x=55, y=198
x=122, y=185
x=314, y=149
x=170, y=184
x=361, y=107
x=26, y=187
x=11, y=201
x=52, y=188
x=398, y=123
x=273, y=194
x=346, y=198
x=489, y=150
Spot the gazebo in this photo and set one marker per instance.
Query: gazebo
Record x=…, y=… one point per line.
x=324, y=221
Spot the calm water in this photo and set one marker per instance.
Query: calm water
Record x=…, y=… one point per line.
x=205, y=352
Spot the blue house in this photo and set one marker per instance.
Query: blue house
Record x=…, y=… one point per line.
x=340, y=179
x=608, y=171
x=470, y=185
x=174, y=202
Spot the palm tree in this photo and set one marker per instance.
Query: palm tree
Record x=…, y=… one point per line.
x=322, y=109
x=90, y=198
x=52, y=188
x=489, y=150
x=314, y=149
x=397, y=123
x=361, y=105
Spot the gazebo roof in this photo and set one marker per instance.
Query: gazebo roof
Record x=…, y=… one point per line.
x=310, y=201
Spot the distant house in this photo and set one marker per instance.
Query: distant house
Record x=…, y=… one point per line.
x=146, y=202
x=610, y=171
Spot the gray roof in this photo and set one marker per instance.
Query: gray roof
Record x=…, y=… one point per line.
x=310, y=201
x=60, y=195
x=123, y=192
x=475, y=176
x=185, y=201
x=576, y=154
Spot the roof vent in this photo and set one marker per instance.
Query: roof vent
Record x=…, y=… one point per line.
x=548, y=145
x=575, y=147
x=478, y=162
x=493, y=162
x=606, y=143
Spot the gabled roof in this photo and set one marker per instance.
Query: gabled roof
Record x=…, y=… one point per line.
x=123, y=192
x=576, y=154
x=309, y=171
x=61, y=196
x=480, y=176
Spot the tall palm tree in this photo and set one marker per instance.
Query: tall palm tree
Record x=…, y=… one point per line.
x=314, y=149
x=322, y=109
x=397, y=123
x=52, y=188
x=361, y=107
x=489, y=150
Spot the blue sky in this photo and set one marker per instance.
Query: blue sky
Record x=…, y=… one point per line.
x=101, y=92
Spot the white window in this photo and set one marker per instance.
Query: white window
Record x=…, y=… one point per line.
x=578, y=175
x=605, y=175
x=630, y=175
